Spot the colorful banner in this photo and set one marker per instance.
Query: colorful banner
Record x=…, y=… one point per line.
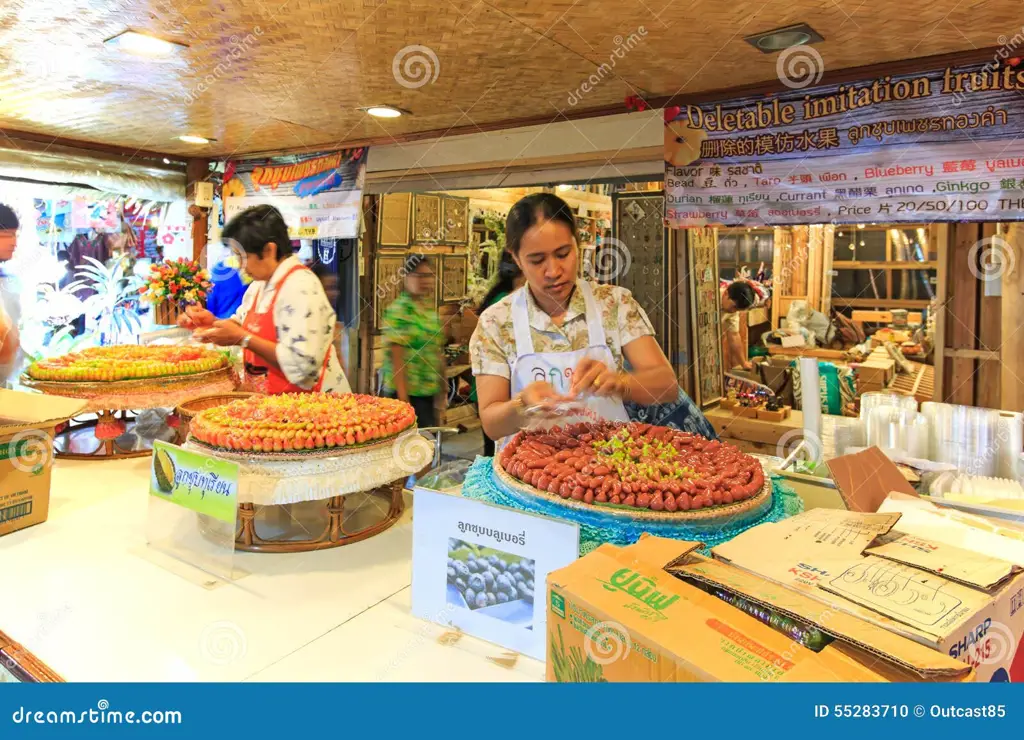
x=913, y=148
x=319, y=195
x=101, y=214
x=204, y=484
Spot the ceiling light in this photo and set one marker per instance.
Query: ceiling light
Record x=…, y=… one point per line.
x=166, y=160
x=778, y=39
x=384, y=111
x=565, y=187
x=143, y=44
x=189, y=139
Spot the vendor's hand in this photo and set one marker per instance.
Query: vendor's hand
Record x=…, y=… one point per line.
x=539, y=393
x=593, y=376
x=196, y=317
x=224, y=333
x=748, y=365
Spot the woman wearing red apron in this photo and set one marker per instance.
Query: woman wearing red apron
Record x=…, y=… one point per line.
x=285, y=323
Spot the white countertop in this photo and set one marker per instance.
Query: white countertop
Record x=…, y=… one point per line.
x=86, y=594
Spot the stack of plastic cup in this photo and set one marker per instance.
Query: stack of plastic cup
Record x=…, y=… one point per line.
x=1010, y=440
x=839, y=434
x=964, y=436
x=890, y=427
x=874, y=399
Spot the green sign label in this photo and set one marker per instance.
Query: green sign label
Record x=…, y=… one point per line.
x=642, y=588
x=558, y=604
x=204, y=484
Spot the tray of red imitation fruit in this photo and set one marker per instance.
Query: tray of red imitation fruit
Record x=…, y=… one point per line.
x=637, y=470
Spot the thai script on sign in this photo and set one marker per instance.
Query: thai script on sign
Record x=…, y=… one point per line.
x=498, y=535
x=641, y=588
x=204, y=481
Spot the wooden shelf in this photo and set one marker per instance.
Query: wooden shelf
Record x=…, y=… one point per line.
x=873, y=265
x=883, y=302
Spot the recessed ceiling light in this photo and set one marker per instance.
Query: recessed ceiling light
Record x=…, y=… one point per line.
x=189, y=139
x=565, y=187
x=384, y=111
x=166, y=160
x=143, y=44
x=769, y=42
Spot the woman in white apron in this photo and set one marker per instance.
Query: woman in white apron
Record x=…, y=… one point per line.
x=559, y=337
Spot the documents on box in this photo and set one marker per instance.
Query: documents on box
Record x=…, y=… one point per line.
x=965, y=604
x=644, y=613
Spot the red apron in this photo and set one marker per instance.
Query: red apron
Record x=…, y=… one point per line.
x=259, y=376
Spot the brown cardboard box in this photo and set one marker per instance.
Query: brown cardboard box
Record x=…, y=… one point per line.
x=774, y=372
x=960, y=603
x=634, y=614
x=27, y=422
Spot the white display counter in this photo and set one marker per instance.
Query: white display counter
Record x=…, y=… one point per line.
x=85, y=594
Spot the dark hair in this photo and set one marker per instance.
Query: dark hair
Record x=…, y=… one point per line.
x=8, y=218
x=742, y=294
x=508, y=271
x=533, y=208
x=256, y=227
x=412, y=263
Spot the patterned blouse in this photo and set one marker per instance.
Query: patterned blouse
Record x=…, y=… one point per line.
x=305, y=326
x=413, y=326
x=493, y=346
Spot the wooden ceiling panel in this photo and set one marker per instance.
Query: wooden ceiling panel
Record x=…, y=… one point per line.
x=268, y=75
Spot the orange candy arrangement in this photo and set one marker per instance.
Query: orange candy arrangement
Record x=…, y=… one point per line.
x=295, y=422
x=127, y=362
x=632, y=464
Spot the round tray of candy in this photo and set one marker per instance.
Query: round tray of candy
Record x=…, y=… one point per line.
x=300, y=426
x=637, y=471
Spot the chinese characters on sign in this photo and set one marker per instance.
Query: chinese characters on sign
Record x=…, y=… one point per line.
x=911, y=148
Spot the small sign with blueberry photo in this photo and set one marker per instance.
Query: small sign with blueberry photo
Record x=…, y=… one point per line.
x=482, y=568
x=495, y=583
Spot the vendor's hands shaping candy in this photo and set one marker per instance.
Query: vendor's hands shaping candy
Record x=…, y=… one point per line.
x=539, y=394
x=596, y=378
x=223, y=332
x=196, y=317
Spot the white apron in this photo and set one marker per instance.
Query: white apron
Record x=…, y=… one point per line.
x=557, y=367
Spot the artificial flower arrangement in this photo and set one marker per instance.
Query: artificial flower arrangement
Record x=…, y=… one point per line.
x=180, y=281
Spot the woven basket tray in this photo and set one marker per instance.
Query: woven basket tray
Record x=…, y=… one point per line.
x=759, y=502
x=300, y=455
x=142, y=386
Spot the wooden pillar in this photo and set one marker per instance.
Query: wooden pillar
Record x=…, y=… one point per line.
x=962, y=316
x=371, y=207
x=1012, y=353
x=197, y=170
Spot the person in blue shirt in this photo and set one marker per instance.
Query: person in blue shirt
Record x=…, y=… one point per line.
x=227, y=291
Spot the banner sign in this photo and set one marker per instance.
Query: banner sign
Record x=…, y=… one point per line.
x=928, y=147
x=204, y=484
x=319, y=195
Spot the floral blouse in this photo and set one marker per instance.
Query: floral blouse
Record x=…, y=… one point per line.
x=415, y=327
x=492, y=348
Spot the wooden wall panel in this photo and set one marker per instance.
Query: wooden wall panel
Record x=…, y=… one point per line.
x=962, y=314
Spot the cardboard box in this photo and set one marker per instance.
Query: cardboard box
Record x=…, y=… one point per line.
x=636, y=613
x=775, y=373
x=963, y=604
x=27, y=423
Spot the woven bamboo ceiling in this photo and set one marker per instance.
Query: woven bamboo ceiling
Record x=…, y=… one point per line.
x=264, y=75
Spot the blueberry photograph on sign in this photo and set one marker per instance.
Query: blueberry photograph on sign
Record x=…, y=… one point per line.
x=490, y=582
